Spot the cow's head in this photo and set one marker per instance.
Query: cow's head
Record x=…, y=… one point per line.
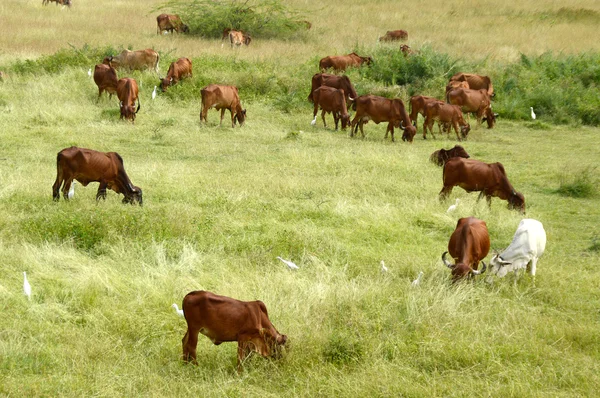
x=165, y=82
x=464, y=130
x=516, y=201
x=185, y=28
x=273, y=343
x=133, y=196
x=367, y=60
x=499, y=267
x=240, y=117
x=129, y=111
x=459, y=152
x=409, y=132
x=462, y=270
x=247, y=39
x=490, y=117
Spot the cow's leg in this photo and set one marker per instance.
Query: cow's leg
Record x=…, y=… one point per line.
x=336, y=119
x=323, y=117
x=361, y=129
x=203, y=112
x=425, y=128
x=455, y=125
x=533, y=265
x=99, y=94
x=480, y=196
x=354, y=126
x=66, y=187
x=232, y=118
x=56, y=187
x=101, y=194
x=189, y=344
x=446, y=190
x=244, y=349
x=488, y=198
x=222, y=116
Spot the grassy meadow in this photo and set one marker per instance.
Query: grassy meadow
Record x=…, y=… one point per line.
x=220, y=204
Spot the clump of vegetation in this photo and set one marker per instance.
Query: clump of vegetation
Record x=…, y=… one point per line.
x=581, y=185
x=342, y=349
x=595, y=247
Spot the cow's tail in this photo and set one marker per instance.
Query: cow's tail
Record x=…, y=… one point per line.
x=59, y=177
x=156, y=65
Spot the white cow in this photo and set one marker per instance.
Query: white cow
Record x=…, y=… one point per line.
x=527, y=246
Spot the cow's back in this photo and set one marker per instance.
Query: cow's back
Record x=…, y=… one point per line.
x=219, y=96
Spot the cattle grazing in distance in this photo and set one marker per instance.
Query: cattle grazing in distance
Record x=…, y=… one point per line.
x=177, y=71
x=87, y=165
x=340, y=63
x=224, y=319
x=105, y=77
x=527, y=246
x=170, y=23
x=332, y=100
x=417, y=106
x=221, y=98
x=476, y=82
x=134, y=60
x=445, y=114
x=489, y=178
x=468, y=245
x=474, y=101
x=61, y=2
x=128, y=93
x=237, y=38
x=335, y=81
x=394, y=35
x=441, y=156
x=380, y=109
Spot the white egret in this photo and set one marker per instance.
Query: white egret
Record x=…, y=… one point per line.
x=383, y=267
x=290, y=264
x=453, y=207
x=418, y=280
x=71, y=190
x=179, y=312
x=314, y=121
x=532, y=113
x=154, y=93
x=26, y=286
x=90, y=72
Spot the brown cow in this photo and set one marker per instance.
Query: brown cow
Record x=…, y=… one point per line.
x=332, y=100
x=339, y=63
x=379, y=109
x=128, y=93
x=417, y=106
x=441, y=156
x=452, y=84
x=476, y=82
x=224, y=319
x=445, y=114
x=406, y=51
x=87, y=165
x=468, y=245
x=489, y=178
x=393, y=35
x=238, y=38
x=170, y=23
x=335, y=81
x=61, y=2
x=474, y=101
x=178, y=70
x=106, y=79
x=134, y=60
x=222, y=97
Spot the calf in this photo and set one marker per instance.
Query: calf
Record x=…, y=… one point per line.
x=445, y=114
x=468, y=245
x=331, y=100
x=105, y=77
x=394, y=35
x=335, y=81
x=473, y=101
x=178, y=70
x=339, y=63
x=441, y=156
x=380, y=109
x=128, y=93
x=224, y=319
x=170, y=23
x=87, y=165
x=417, y=106
x=221, y=98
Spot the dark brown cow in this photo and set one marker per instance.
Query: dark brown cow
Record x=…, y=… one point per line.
x=379, y=109
x=87, y=165
x=170, y=23
x=445, y=114
x=476, y=82
x=128, y=93
x=394, y=35
x=468, y=245
x=134, y=60
x=417, y=106
x=221, y=98
x=106, y=79
x=476, y=102
x=331, y=100
x=489, y=178
x=223, y=319
x=441, y=156
x=61, y=2
x=335, y=81
x=178, y=70
x=339, y=63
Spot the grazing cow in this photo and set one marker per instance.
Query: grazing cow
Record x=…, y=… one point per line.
x=105, y=77
x=332, y=100
x=238, y=38
x=526, y=248
x=489, y=178
x=87, y=165
x=224, y=319
x=476, y=82
x=452, y=84
x=474, y=101
x=221, y=98
x=406, y=51
x=445, y=114
x=335, y=81
x=178, y=70
x=379, y=109
x=339, y=63
x=468, y=245
x=170, y=23
x=417, y=106
x=61, y=2
x=306, y=24
x=134, y=60
x=128, y=93
x=394, y=35
x=441, y=156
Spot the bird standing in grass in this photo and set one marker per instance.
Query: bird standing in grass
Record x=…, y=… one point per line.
x=453, y=207
x=90, y=72
x=290, y=264
x=532, y=113
x=177, y=310
x=154, y=93
x=71, y=190
x=384, y=269
x=418, y=280
x=26, y=286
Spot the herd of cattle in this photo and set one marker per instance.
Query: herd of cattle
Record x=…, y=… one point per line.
x=224, y=319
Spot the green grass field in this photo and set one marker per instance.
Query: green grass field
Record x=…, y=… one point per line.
x=220, y=204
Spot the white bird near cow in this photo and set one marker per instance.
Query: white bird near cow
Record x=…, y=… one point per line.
x=290, y=264
x=314, y=121
x=532, y=113
x=453, y=207
x=527, y=246
x=384, y=269
x=154, y=93
x=90, y=72
x=418, y=280
x=71, y=190
x=26, y=286
x=177, y=310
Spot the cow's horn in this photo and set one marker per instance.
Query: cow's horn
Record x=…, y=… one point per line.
x=120, y=104
x=139, y=105
x=351, y=99
x=446, y=262
x=402, y=125
x=476, y=272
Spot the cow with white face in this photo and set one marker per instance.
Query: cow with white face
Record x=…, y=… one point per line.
x=526, y=248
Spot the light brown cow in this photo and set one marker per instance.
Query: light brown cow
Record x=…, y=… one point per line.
x=394, y=35
x=474, y=101
x=445, y=114
x=106, y=79
x=224, y=319
x=380, y=109
x=476, y=82
x=221, y=98
x=339, y=63
x=331, y=100
x=128, y=93
x=335, y=81
x=417, y=106
x=237, y=38
x=178, y=70
x=87, y=165
x=170, y=23
x=134, y=60
x=468, y=245
x=452, y=84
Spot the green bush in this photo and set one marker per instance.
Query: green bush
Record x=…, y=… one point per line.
x=581, y=185
x=342, y=349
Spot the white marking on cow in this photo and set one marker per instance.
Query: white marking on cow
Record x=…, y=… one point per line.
x=26, y=286
x=290, y=264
